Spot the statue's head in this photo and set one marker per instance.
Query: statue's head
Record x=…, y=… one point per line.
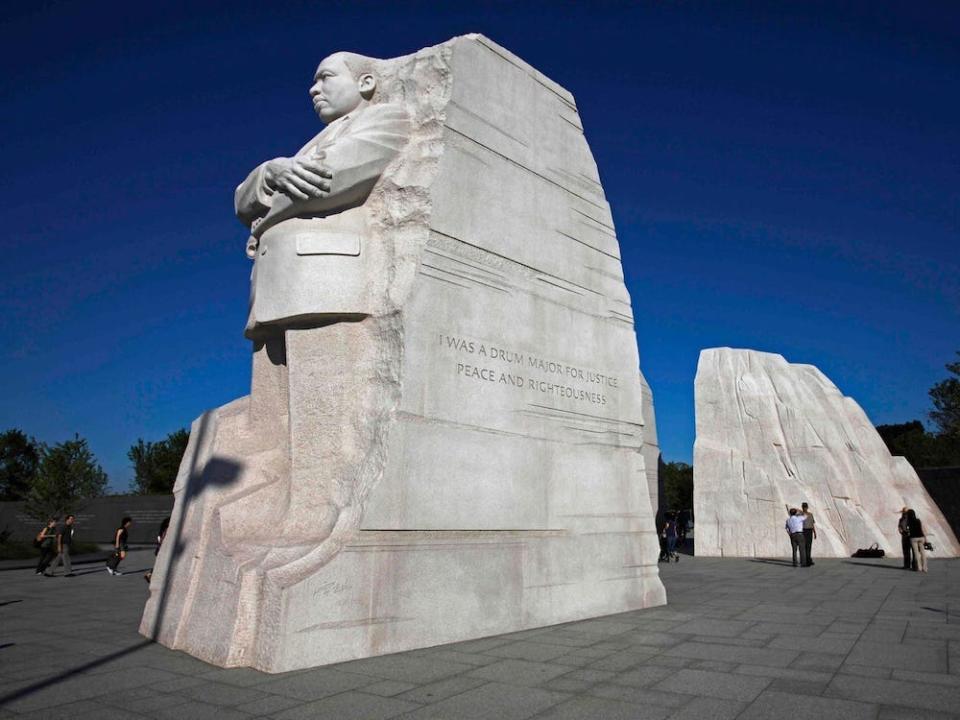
x=343, y=82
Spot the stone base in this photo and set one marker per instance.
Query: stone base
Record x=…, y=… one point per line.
x=382, y=591
x=388, y=591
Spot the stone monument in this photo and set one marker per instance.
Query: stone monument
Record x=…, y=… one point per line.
x=444, y=434
x=652, y=459
x=771, y=435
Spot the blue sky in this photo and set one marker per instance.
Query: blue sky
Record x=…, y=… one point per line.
x=783, y=176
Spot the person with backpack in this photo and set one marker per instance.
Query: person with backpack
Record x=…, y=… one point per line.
x=64, y=546
x=119, y=546
x=46, y=542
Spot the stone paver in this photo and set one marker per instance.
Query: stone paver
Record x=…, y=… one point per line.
x=771, y=705
x=725, y=686
x=740, y=640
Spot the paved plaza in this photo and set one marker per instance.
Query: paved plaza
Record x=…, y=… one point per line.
x=741, y=639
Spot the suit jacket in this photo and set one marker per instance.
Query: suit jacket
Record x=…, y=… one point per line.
x=309, y=261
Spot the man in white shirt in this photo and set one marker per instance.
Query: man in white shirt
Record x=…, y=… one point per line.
x=794, y=527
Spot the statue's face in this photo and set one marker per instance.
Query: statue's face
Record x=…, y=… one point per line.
x=335, y=91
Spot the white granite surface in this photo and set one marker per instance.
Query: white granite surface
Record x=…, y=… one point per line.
x=453, y=447
x=771, y=434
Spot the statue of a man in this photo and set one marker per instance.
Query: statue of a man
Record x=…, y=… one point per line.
x=309, y=222
x=306, y=213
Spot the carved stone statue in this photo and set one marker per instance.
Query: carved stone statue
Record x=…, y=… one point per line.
x=309, y=221
x=307, y=213
x=445, y=433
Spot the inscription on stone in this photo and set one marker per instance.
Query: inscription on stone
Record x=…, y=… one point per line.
x=489, y=362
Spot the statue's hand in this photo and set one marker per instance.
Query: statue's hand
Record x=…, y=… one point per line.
x=299, y=177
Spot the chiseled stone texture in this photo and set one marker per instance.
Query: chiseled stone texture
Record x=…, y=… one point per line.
x=492, y=475
x=771, y=434
x=652, y=458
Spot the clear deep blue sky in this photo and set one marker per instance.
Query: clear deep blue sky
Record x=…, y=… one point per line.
x=783, y=177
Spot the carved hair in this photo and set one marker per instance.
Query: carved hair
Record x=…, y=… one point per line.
x=360, y=65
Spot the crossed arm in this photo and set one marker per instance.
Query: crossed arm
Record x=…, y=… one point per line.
x=326, y=178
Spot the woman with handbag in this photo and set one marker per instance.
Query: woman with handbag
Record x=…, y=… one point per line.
x=917, y=540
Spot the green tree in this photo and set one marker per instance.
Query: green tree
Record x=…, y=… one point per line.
x=946, y=403
x=155, y=464
x=18, y=464
x=921, y=448
x=678, y=486
x=68, y=474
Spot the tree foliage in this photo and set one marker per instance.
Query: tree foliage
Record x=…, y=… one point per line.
x=155, y=464
x=678, y=486
x=926, y=449
x=945, y=396
x=67, y=475
x=19, y=457
x=921, y=448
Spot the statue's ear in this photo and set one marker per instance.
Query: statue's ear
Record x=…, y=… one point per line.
x=367, y=83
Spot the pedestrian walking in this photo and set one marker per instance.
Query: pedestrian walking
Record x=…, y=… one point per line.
x=917, y=540
x=119, y=546
x=670, y=532
x=794, y=527
x=161, y=534
x=46, y=540
x=64, y=547
x=903, y=527
x=809, y=531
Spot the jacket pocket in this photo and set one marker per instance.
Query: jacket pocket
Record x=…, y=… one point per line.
x=328, y=243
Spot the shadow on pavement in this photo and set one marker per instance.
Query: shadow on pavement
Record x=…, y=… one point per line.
x=215, y=472
x=773, y=561
x=873, y=565
x=67, y=674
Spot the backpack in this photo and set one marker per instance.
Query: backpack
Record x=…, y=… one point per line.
x=874, y=551
x=37, y=542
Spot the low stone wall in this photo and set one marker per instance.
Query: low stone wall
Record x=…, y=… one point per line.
x=98, y=519
x=943, y=484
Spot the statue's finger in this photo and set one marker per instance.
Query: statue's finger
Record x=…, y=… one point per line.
x=309, y=176
x=316, y=166
x=304, y=185
x=293, y=191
